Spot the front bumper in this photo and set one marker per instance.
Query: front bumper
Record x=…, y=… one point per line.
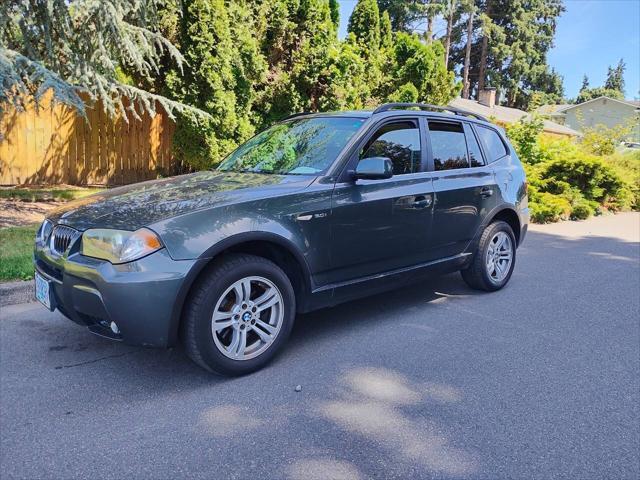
x=140, y=297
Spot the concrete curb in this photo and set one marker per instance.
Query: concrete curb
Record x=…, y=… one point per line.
x=12, y=293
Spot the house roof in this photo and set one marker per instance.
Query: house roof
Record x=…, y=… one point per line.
x=508, y=115
x=552, y=109
x=565, y=107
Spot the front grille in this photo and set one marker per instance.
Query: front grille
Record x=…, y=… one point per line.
x=62, y=238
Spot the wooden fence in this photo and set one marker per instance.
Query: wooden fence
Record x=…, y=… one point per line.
x=53, y=145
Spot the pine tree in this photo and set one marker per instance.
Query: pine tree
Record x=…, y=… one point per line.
x=72, y=47
x=585, y=83
x=615, y=77
x=512, y=50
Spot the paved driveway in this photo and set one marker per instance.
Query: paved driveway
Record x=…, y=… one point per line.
x=540, y=380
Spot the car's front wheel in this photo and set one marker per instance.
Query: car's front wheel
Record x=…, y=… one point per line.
x=493, y=260
x=239, y=315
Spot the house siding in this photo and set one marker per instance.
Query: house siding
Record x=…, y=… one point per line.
x=602, y=111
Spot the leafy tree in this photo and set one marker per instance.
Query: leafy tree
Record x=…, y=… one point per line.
x=74, y=47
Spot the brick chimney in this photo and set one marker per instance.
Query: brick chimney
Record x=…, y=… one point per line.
x=487, y=97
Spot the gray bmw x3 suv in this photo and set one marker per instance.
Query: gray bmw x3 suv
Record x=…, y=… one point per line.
x=316, y=210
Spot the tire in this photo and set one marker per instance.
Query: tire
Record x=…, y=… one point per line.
x=217, y=345
x=480, y=275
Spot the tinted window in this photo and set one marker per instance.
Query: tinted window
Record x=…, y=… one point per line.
x=492, y=143
x=399, y=141
x=475, y=154
x=304, y=146
x=448, y=145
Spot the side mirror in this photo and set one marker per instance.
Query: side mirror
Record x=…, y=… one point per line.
x=374, y=168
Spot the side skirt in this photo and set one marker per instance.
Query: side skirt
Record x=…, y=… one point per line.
x=372, y=284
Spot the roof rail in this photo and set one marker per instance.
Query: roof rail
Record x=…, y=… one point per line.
x=294, y=115
x=424, y=106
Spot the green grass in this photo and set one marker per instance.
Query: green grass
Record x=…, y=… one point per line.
x=16, y=249
x=34, y=194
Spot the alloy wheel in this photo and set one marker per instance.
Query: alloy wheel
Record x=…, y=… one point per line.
x=499, y=257
x=247, y=318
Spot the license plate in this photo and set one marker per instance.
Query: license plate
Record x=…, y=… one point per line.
x=43, y=294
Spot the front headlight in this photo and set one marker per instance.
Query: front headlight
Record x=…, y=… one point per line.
x=119, y=246
x=43, y=233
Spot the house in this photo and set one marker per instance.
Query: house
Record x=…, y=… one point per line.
x=605, y=111
x=486, y=106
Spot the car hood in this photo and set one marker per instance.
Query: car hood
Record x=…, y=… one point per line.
x=140, y=204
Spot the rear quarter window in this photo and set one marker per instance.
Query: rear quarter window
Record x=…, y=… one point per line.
x=493, y=145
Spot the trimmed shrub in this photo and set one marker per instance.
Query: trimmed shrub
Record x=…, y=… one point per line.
x=582, y=211
x=547, y=208
x=567, y=180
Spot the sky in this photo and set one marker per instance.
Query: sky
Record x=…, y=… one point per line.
x=591, y=35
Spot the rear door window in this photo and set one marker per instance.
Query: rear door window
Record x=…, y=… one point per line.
x=475, y=154
x=492, y=143
x=448, y=145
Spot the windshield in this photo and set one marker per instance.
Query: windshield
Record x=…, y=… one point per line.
x=305, y=146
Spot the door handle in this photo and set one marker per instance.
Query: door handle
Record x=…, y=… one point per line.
x=422, y=201
x=486, y=192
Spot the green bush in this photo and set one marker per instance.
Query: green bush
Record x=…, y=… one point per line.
x=524, y=136
x=627, y=166
x=547, y=208
x=582, y=211
x=567, y=182
x=592, y=177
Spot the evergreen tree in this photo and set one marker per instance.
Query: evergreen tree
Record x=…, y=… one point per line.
x=334, y=6
x=613, y=87
x=72, y=47
x=208, y=83
x=386, y=31
x=299, y=43
x=512, y=50
x=615, y=77
x=364, y=23
x=591, y=93
x=423, y=66
x=585, y=82
x=402, y=13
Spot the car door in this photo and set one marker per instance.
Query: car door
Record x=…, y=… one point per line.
x=382, y=225
x=464, y=185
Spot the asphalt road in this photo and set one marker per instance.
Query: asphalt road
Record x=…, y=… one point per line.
x=539, y=380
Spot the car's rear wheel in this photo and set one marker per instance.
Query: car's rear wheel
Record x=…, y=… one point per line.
x=493, y=260
x=239, y=315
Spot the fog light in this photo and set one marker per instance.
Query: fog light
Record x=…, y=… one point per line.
x=114, y=328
